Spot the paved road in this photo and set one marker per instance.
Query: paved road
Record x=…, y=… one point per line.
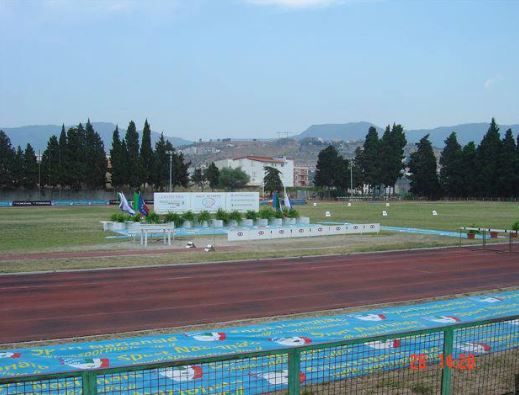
x=59, y=305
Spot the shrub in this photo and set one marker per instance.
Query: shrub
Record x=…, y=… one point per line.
x=153, y=218
x=279, y=214
x=173, y=217
x=222, y=215
x=293, y=213
x=515, y=226
x=204, y=216
x=188, y=216
x=235, y=216
x=120, y=217
x=251, y=214
x=136, y=218
x=267, y=212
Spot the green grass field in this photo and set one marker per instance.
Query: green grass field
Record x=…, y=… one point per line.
x=65, y=228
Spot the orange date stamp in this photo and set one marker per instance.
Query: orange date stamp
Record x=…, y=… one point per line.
x=463, y=362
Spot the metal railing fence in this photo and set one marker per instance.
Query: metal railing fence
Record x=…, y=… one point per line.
x=480, y=357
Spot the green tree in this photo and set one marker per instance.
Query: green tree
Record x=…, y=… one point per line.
x=272, y=181
x=367, y=159
x=469, y=170
x=117, y=161
x=180, y=169
x=232, y=179
x=50, y=165
x=95, y=160
x=146, y=158
x=391, y=154
x=30, y=168
x=7, y=157
x=508, y=166
x=74, y=163
x=326, y=168
x=132, y=157
x=18, y=168
x=451, y=171
x=212, y=174
x=161, y=163
x=198, y=178
x=487, y=156
x=422, y=165
x=61, y=172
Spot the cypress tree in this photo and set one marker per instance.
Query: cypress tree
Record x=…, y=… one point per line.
x=327, y=167
x=132, y=158
x=212, y=174
x=469, y=170
x=62, y=169
x=508, y=168
x=118, y=165
x=181, y=174
x=487, y=157
x=30, y=168
x=50, y=166
x=368, y=159
x=18, y=168
x=95, y=161
x=7, y=157
x=146, y=157
x=451, y=171
x=198, y=178
x=422, y=165
x=272, y=181
x=160, y=174
x=391, y=154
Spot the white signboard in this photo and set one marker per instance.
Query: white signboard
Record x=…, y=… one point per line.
x=179, y=202
x=300, y=231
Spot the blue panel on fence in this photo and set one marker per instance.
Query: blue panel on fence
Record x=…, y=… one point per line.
x=279, y=334
x=5, y=204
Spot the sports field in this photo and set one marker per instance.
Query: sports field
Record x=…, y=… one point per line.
x=63, y=237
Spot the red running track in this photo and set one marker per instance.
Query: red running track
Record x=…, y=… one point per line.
x=59, y=305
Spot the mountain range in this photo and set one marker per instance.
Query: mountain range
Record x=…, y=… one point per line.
x=354, y=131
x=38, y=135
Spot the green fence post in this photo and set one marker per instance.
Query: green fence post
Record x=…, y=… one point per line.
x=448, y=345
x=89, y=380
x=294, y=367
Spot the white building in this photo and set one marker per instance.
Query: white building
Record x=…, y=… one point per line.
x=254, y=167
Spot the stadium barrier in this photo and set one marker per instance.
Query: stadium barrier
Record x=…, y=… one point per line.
x=476, y=357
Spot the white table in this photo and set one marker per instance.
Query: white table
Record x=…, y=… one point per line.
x=164, y=229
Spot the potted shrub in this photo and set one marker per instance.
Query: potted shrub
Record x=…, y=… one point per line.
x=277, y=220
x=264, y=215
x=188, y=218
x=515, y=226
x=119, y=221
x=250, y=217
x=493, y=235
x=153, y=218
x=174, y=218
x=234, y=218
x=471, y=234
x=221, y=218
x=203, y=218
x=290, y=216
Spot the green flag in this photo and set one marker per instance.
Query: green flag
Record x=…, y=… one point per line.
x=136, y=201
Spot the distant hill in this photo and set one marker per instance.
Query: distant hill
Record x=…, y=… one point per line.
x=351, y=131
x=38, y=135
x=354, y=131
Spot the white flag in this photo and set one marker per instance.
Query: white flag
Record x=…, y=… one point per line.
x=124, y=206
x=287, y=201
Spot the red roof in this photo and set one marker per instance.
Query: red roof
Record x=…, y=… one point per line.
x=261, y=159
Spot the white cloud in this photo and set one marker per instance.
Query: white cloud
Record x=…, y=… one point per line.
x=491, y=82
x=294, y=3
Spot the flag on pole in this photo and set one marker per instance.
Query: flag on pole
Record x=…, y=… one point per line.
x=124, y=206
x=141, y=206
x=275, y=202
x=287, y=201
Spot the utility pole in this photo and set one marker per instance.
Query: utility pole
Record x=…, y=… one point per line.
x=39, y=174
x=351, y=179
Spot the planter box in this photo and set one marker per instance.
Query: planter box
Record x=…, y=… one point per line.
x=118, y=226
x=493, y=235
x=514, y=235
x=233, y=223
x=303, y=220
x=262, y=222
x=107, y=225
x=187, y=224
x=276, y=222
x=471, y=236
x=247, y=222
x=217, y=223
x=289, y=221
x=204, y=224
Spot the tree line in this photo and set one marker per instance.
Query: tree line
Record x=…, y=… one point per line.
x=77, y=160
x=488, y=170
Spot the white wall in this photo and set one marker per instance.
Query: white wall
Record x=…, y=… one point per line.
x=256, y=172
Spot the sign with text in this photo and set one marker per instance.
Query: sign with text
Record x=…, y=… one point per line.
x=179, y=202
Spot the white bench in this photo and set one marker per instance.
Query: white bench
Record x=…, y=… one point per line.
x=165, y=230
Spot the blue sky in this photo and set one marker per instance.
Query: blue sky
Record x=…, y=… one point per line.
x=252, y=68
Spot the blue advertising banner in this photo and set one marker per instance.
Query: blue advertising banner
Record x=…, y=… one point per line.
x=270, y=374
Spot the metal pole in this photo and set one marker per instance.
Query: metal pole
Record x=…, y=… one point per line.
x=351, y=179
x=39, y=174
